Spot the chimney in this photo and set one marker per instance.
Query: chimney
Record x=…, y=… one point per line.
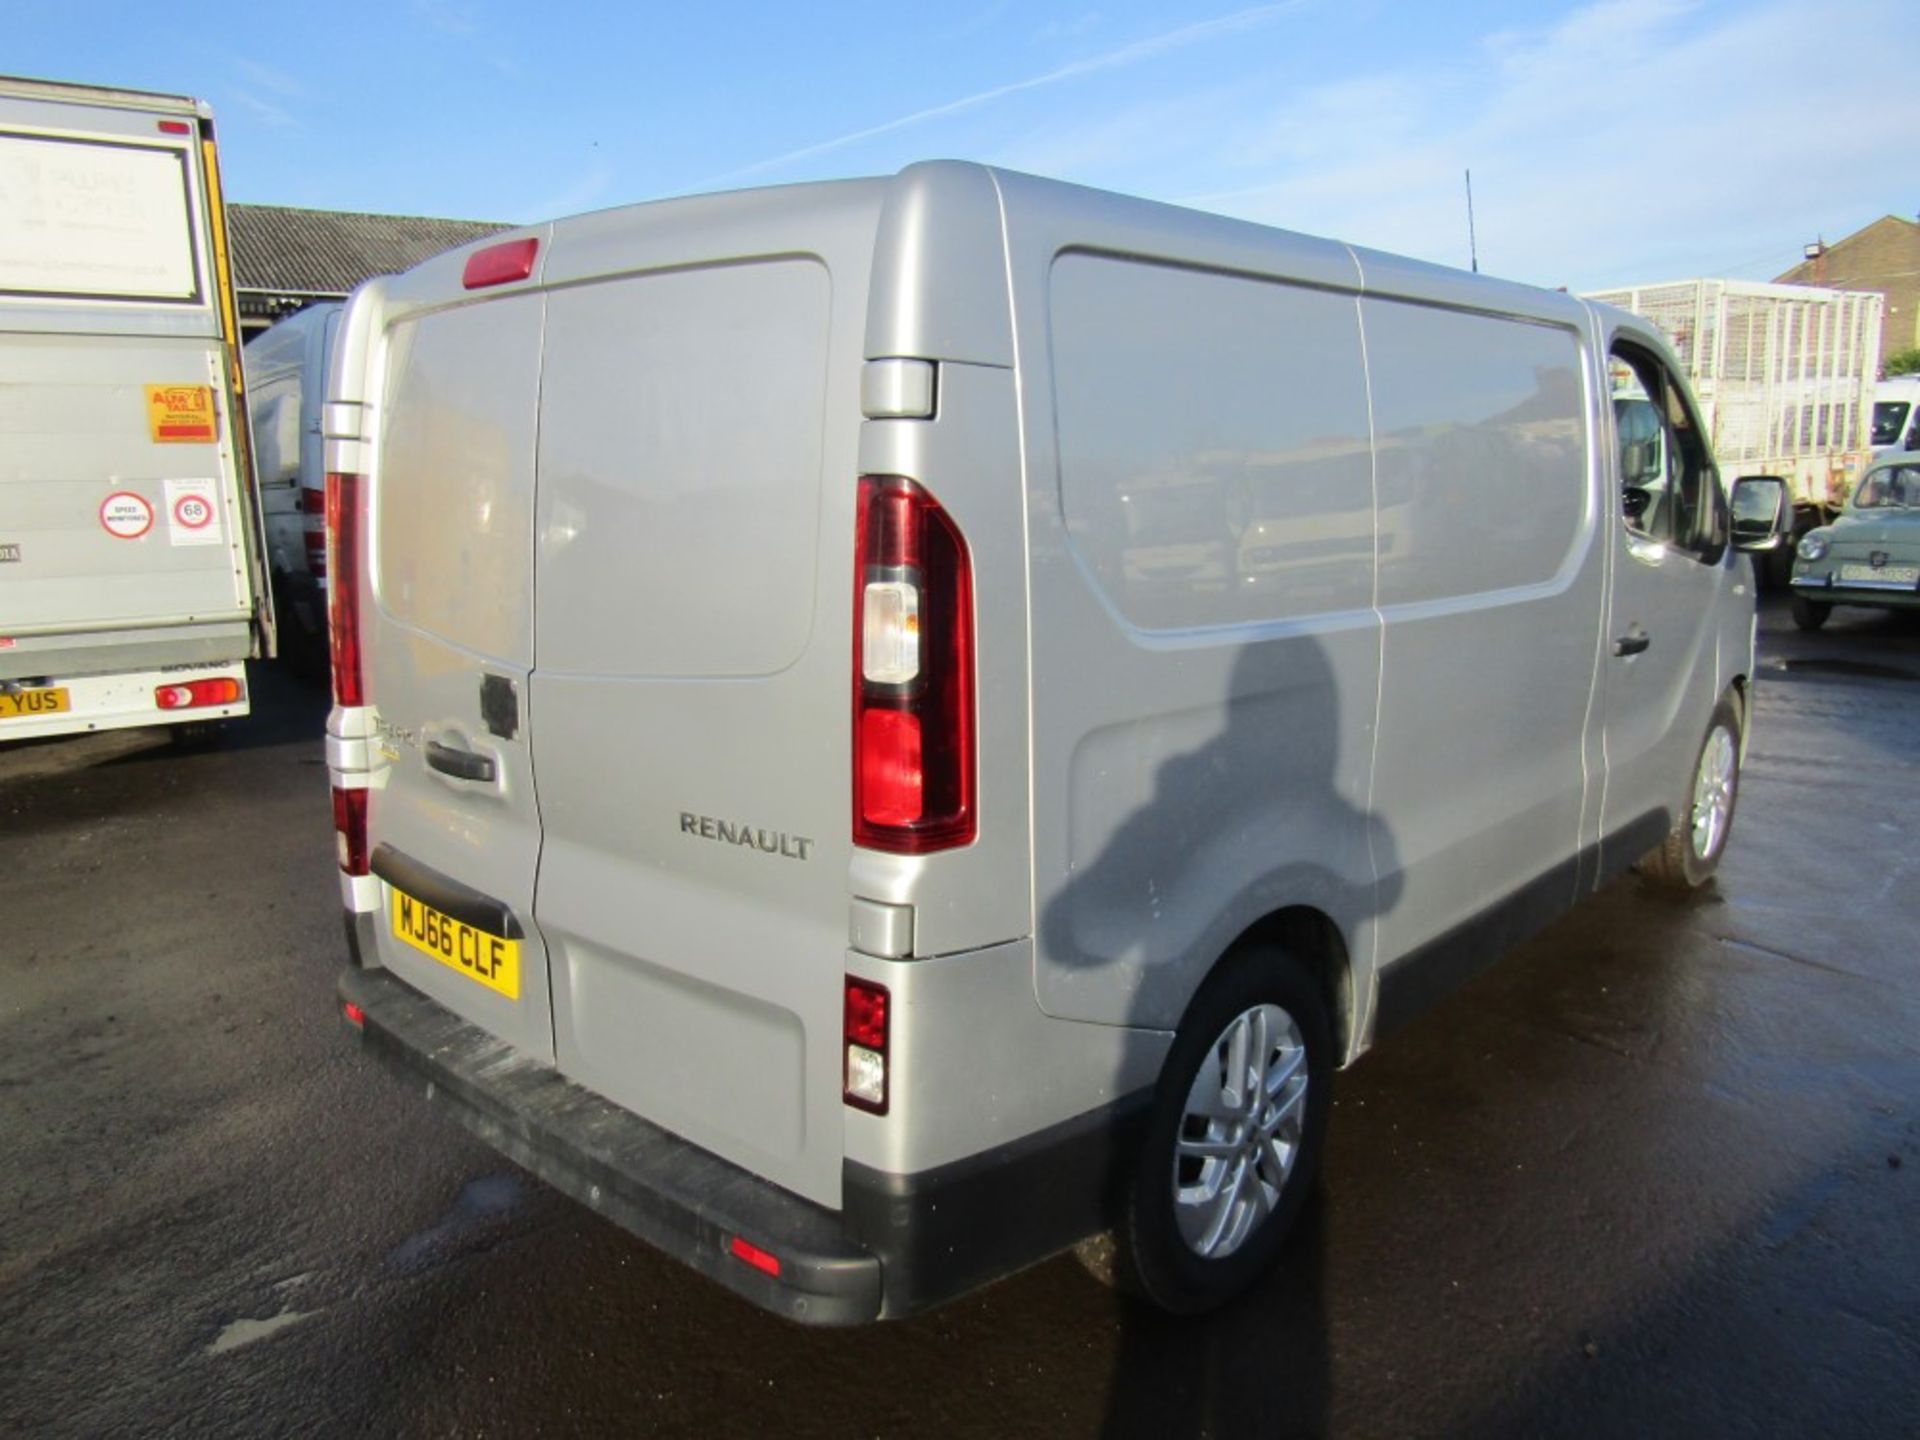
x=1816, y=254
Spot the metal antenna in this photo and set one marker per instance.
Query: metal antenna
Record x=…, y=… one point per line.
x=1473, y=245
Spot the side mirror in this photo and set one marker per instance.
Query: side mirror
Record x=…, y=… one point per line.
x=1913, y=438
x=1760, y=514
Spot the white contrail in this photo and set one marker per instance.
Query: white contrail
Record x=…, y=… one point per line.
x=1113, y=59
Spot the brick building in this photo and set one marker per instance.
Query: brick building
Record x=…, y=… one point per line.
x=284, y=259
x=1885, y=256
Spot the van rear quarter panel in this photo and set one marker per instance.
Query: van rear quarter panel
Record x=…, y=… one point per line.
x=1202, y=700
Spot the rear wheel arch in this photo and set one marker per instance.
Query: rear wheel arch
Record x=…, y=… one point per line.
x=1314, y=941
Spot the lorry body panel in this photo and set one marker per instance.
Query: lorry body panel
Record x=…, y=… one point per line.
x=130, y=519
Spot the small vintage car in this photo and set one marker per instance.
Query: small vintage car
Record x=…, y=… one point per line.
x=1870, y=555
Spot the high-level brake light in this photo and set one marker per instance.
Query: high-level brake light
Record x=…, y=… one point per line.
x=500, y=264
x=913, y=724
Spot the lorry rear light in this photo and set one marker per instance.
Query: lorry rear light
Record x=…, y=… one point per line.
x=175, y=127
x=865, y=1076
x=193, y=694
x=313, y=531
x=345, y=521
x=500, y=264
x=356, y=1017
x=350, y=829
x=913, y=724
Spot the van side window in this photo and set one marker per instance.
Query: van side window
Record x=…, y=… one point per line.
x=1669, y=490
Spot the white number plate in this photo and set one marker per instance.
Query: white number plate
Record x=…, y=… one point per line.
x=1885, y=575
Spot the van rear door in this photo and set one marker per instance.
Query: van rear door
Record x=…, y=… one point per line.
x=698, y=460
x=448, y=646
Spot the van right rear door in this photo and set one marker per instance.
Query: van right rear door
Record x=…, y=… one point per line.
x=698, y=458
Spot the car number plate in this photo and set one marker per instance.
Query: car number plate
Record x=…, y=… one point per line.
x=1885, y=575
x=18, y=704
x=491, y=960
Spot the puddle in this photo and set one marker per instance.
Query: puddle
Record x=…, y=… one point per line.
x=246, y=1332
x=1857, y=669
x=478, y=1210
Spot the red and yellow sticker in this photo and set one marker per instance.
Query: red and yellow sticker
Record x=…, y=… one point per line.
x=181, y=414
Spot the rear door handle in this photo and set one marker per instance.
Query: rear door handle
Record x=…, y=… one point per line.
x=460, y=764
x=1632, y=643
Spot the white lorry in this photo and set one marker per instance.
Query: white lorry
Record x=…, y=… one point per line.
x=1784, y=374
x=132, y=576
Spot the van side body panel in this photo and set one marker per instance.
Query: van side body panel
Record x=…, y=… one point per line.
x=1203, y=700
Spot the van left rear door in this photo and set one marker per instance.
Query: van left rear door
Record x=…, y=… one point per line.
x=448, y=649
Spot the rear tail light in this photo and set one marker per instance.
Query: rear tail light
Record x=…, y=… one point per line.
x=313, y=530
x=194, y=694
x=913, y=742
x=344, y=525
x=350, y=829
x=865, y=1082
x=356, y=1017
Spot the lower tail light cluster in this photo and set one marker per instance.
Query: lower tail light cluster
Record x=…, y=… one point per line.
x=913, y=673
x=867, y=1031
x=350, y=829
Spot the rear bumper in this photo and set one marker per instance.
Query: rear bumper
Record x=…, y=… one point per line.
x=901, y=1244
x=1826, y=592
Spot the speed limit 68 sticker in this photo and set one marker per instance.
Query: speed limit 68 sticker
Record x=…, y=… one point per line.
x=193, y=512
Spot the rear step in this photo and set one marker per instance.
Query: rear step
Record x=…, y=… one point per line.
x=782, y=1253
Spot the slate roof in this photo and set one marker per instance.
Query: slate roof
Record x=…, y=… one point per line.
x=280, y=249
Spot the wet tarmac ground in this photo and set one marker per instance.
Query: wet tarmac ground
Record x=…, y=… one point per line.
x=1656, y=1173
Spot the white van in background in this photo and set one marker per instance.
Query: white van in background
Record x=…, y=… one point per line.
x=286, y=370
x=1896, y=417
x=883, y=729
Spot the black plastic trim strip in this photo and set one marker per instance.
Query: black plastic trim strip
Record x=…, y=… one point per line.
x=1427, y=975
x=445, y=894
x=945, y=1231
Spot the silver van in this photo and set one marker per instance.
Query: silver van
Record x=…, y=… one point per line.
x=886, y=728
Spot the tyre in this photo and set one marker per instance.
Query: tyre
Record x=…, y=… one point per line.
x=1690, y=854
x=1235, y=1139
x=1810, y=614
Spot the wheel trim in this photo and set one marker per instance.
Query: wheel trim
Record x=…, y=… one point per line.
x=1713, y=788
x=1240, y=1131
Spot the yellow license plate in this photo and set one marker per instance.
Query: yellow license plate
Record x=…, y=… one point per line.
x=18, y=704
x=492, y=960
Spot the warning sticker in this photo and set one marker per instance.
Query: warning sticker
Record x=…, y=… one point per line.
x=126, y=515
x=193, y=512
x=181, y=414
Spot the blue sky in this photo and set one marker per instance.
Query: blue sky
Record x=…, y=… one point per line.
x=1610, y=141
